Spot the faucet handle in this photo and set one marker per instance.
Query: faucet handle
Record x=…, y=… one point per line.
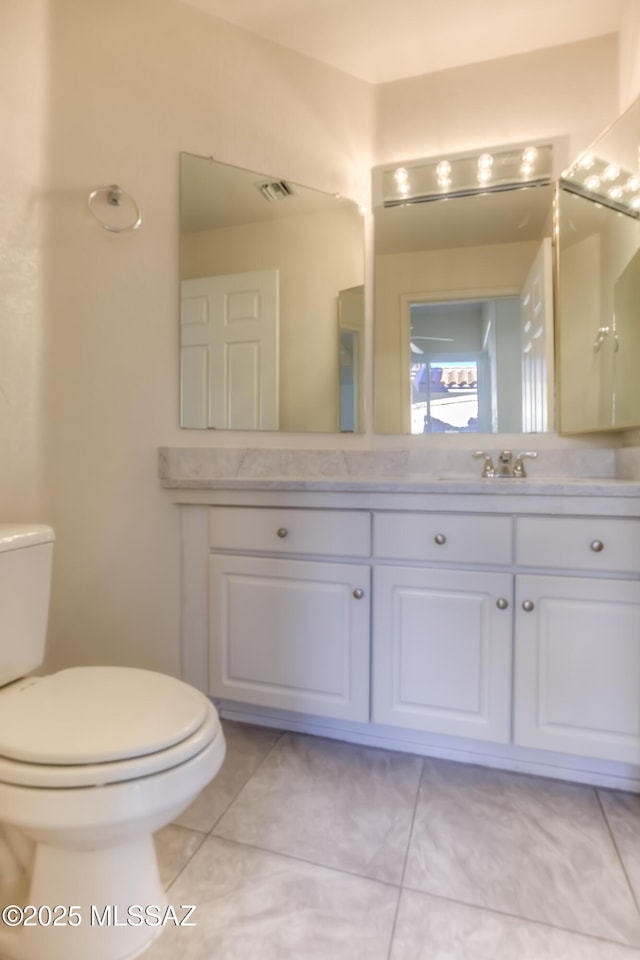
x=518, y=467
x=489, y=469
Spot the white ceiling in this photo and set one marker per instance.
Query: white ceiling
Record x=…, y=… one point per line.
x=383, y=40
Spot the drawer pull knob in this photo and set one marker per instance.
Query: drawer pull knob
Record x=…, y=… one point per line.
x=502, y=603
x=597, y=546
x=358, y=593
x=440, y=539
x=528, y=606
x=283, y=532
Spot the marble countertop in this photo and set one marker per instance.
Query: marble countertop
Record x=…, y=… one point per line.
x=318, y=471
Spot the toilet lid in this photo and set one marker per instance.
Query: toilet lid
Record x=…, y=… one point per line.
x=96, y=715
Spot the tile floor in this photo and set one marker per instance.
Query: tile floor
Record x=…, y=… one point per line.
x=309, y=849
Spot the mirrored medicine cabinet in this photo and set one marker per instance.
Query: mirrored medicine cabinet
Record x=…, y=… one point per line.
x=599, y=283
x=464, y=294
x=271, y=303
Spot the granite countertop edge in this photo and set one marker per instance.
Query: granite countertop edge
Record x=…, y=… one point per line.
x=568, y=486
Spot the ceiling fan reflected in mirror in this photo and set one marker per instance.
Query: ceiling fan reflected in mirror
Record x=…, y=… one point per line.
x=416, y=349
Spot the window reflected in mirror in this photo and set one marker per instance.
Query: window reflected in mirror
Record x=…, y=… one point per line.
x=466, y=371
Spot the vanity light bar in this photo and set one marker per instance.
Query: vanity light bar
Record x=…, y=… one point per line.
x=604, y=182
x=465, y=176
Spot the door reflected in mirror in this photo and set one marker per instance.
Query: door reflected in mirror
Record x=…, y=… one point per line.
x=464, y=314
x=269, y=275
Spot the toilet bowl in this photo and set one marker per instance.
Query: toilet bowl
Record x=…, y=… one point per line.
x=93, y=760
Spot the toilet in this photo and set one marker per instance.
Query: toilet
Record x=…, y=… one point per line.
x=93, y=760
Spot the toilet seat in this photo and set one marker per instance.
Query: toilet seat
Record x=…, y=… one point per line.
x=91, y=726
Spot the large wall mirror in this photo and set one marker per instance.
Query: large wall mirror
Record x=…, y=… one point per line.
x=272, y=306
x=464, y=294
x=599, y=283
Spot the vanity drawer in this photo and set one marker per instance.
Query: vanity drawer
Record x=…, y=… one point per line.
x=453, y=538
x=591, y=543
x=341, y=533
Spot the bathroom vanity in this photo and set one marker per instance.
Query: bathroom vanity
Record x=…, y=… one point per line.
x=378, y=596
x=492, y=621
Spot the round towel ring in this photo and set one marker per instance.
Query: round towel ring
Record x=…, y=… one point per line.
x=113, y=197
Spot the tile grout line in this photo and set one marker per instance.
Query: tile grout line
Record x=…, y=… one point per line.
x=406, y=860
x=207, y=833
x=617, y=850
x=203, y=837
x=309, y=863
x=520, y=919
x=275, y=743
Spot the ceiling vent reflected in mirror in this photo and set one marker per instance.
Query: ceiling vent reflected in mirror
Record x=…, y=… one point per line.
x=275, y=190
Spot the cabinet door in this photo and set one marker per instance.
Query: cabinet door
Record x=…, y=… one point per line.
x=442, y=651
x=290, y=634
x=577, y=666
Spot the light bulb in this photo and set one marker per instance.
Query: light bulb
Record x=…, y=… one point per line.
x=485, y=161
x=586, y=161
x=443, y=170
x=632, y=184
x=612, y=172
x=635, y=203
x=400, y=175
x=615, y=193
x=592, y=182
x=529, y=156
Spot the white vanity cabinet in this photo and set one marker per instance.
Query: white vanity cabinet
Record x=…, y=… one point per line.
x=577, y=637
x=442, y=635
x=501, y=628
x=289, y=621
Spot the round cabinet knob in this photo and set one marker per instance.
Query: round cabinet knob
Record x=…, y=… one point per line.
x=358, y=593
x=597, y=546
x=528, y=606
x=283, y=532
x=502, y=603
x=440, y=539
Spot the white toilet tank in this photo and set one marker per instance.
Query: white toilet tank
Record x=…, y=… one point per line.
x=26, y=553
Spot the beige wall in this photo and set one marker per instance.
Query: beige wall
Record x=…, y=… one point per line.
x=131, y=85
x=23, y=66
x=630, y=54
x=89, y=335
x=317, y=255
x=567, y=92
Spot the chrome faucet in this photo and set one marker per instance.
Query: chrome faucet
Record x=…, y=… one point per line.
x=518, y=467
x=507, y=466
x=489, y=470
